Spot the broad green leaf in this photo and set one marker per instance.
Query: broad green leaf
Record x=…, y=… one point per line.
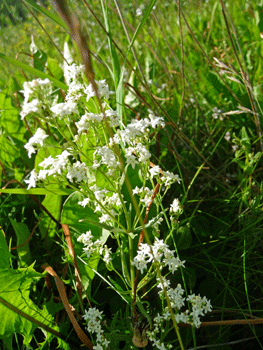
x=4, y=252
x=12, y=140
x=39, y=60
x=102, y=180
x=18, y=313
x=34, y=71
x=8, y=152
x=74, y=214
x=22, y=234
x=54, y=67
x=48, y=227
x=104, y=226
x=13, y=85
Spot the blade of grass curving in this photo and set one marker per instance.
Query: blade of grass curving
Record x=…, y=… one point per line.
x=117, y=75
x=114, y=57
x=142, y=22
x=244, y=72
x=47, y=13
x=126, y=299
x=34, y=71
x=38, y=191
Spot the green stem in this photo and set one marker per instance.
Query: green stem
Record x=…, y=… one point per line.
x=132, y=271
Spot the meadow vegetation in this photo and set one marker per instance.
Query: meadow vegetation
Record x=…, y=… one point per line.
x=130, y=162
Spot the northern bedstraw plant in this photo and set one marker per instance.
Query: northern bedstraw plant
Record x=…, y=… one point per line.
x=97, y=157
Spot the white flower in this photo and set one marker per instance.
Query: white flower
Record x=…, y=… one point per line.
x=107, y=254
x=146, y=200
x=143, y=153
x=85, y=238
x=78, y=170
x=143, y=257
x=30, y=86
x=114, y=119
x=84, y=202
x=227, y=136
x=138, y=12
x=171, y=261
x=29, y=107
x=65, y=108
x=72, y=72
x=103, y=90
x=175, y=206
x=136, y=190
x=154, y=171
x=107, y=157
x=131, y=159
x=32, y=180
x=156, y=121
x=169, y=178
x=55, y=165
x=38, y=138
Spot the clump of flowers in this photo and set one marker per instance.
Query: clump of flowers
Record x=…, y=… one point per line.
x=92, y=318
x=160, y=252
x=94, y=155
x=95, y=247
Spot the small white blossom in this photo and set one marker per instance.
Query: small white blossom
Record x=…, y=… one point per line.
x=29, y=107
x=78, y=170
x=32, y=179
x=103, y=90
x=169, y=178
x=175, y=206
x=65, y=108
x=38, y=138
x=154, y=171
x=84, y=202
x=55, y=165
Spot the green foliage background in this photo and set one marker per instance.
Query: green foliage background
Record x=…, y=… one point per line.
x=173, y=72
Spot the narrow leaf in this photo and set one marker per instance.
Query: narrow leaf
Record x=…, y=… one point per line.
x=47, y=13
x=34, y=71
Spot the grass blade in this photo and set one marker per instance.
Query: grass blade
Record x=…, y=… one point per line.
x=47, y=13
x=34, y=71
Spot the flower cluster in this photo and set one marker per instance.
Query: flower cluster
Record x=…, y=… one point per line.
x=98, y=150
x=161, y=253
x=92, y=318
x=94, y=247
x=32, y=90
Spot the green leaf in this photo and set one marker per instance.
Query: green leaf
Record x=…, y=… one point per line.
x=142, y=22
x=183, y=237
x=13, y=85
x=47, y=226
x=12, y=132
x=34, y=71
x=39, y=60
x=38, y=191
x=4, y=252
x=47, y=13
x=22, y=234
x=54, y=67
x=75, y=215
x=18, y=313
x=113, y=53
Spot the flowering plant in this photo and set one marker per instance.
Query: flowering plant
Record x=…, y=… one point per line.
x=117, y=191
